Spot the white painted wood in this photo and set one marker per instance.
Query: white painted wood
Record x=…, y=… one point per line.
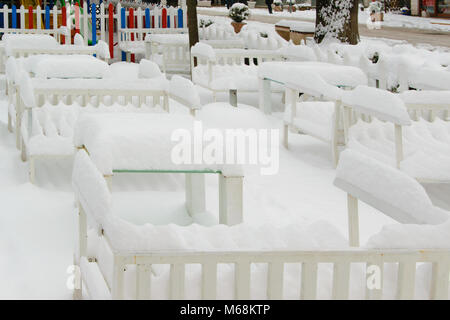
x=209, y=280
x=440, y=280
x=353, y=221
x=177, y=277
x=376, y=268
x=406, y=280
x=398, y=145
x=308, y=290
x=195, y=193
x=230, y=200
x=117, y=287
x=143, y=278
x=242, y=280
x=341, y=277
x=275, y=280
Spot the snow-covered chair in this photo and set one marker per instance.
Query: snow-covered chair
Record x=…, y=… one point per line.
x=282, y=72
x=317, y=113
x=122, y=260
x=385, y=188
x=184, y=92
x=169, y=51
x=221, y=70
x=383, y=129
x=48, y=109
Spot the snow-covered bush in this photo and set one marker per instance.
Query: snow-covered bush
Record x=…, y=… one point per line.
x=239, y=12
x=277, y=3
x=203, y=23
x=375, y=6
x=290, y=1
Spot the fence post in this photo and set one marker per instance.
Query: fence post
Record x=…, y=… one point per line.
x=122, y=25
x=94, y=24
x=14, y=17
x=164, y=18
x=111, y=29
x=180, y=18
x=22, y=17
x=64, y=24
x=102, y=21
x=47, y=17
x=77, y=17
x=85, y=23
x=30, y=17
x=5, y=17
x=131, y=26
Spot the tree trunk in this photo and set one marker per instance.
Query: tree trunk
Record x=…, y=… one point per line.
x=337, y=19
x=192, y=22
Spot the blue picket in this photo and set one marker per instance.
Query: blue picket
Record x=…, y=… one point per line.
x=14, y=17
x=123, y=25
x=89, y=6
x=94, y=25
x=168, y=21
x=47, y=17
x=147, y=18
x=180, y=18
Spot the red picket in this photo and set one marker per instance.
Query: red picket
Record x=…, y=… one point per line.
x=111, y=29
x=64, y=23
x=131, y=26
x=164, y=18
x=30, y=17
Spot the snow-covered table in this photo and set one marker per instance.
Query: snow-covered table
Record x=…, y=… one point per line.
x=144, y=143
x=281, y=72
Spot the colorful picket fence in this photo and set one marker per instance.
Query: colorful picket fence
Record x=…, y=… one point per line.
x=116, y=23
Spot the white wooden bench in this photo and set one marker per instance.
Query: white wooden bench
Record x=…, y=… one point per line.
x=220, y=70
x=132, y=41
x=116, y=269
x=390, y=191
x=318, y=113
x=377, y=123
x=282, y=72
x=39, y=98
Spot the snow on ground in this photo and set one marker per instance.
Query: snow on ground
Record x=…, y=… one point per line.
x=390, y=19
x=37, y=223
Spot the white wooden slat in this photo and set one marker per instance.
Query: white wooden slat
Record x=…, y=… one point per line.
x=406, y=280
x=85, y=23
x=374, y=280
x=308, y=288
x=177, y=276
x=143, y=281
x=353, y=221
x=38, y=17
x=242, y=280
x=209, y=280
x=117, y=287
x=102, y=22
x=341, y=279
x=440, y=280
x=22, y=17
x=275, y=280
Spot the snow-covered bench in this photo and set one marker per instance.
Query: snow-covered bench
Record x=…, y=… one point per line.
x=122, y=260
x=23, y=45
x=184, y=92
x=221, y=70
x=169, y=51
x=132, y=40
x=428, y=104
x=385, y=188
x=49, y=109
x=419, y=148
x=283, y=72
x=317, y=113
x=48, y=66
